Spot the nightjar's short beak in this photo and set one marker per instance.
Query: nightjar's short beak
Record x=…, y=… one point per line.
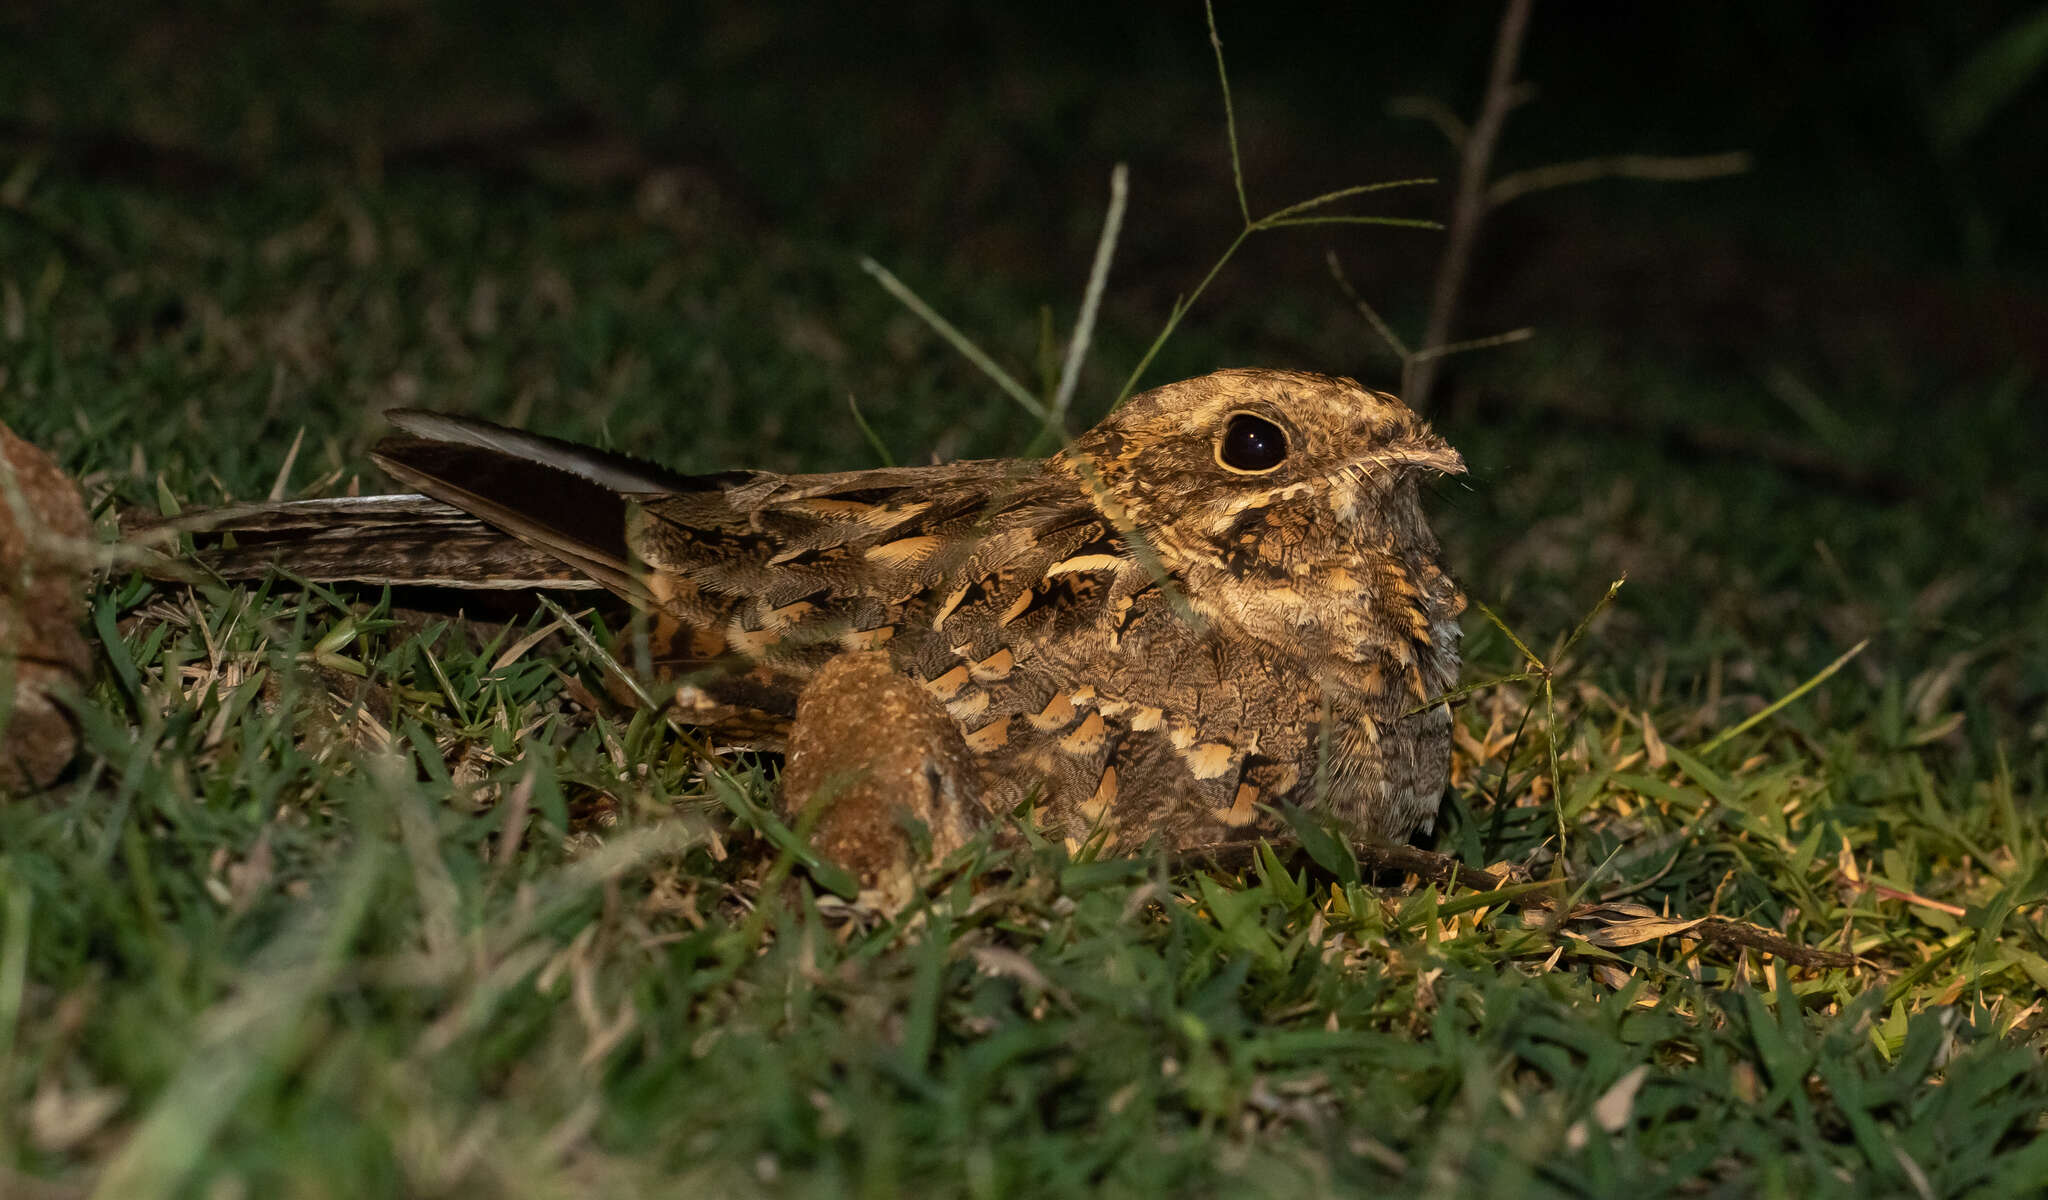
x=1428, y=451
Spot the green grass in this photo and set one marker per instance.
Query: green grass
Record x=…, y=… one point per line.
x=344, y=901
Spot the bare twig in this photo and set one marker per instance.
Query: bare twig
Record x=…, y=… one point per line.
x=1479, y=343
x=1434, y=111
x=1654, y=167
x=1469, y=208
x=1476, y=197
x=1393, y=340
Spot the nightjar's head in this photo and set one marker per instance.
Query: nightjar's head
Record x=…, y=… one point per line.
x=1265, y=473
x=1287, y=506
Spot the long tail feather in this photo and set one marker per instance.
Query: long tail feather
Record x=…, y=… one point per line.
x=619, y=472
x=399, y=541
x=580, y=522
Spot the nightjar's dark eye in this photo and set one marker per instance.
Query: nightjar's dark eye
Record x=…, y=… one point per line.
x=1252, y=443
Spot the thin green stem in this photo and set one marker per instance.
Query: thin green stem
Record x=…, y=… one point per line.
x=867, y=431
x=1459, y=693
x=1512, y=636
x=1556, y=776
x=1586, y=622
x=16, y=909
x=1342, y=193
x=1180, y=309
x=1229, y=113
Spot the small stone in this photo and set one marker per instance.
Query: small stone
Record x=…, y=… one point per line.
x=43, y=656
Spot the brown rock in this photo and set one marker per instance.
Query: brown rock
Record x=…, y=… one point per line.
x=876, y=751
x=43, y=657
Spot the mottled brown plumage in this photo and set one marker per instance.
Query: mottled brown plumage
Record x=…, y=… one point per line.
x=872, y=752
x=1222, y=597
x=44, y=661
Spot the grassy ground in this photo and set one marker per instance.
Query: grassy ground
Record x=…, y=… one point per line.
x=468, y=938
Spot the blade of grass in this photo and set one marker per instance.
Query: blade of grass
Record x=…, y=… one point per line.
x=1091, y=299
x=867, y=431
x=1821, y=676
x=16, y=906
x=1512, y=636
x=958, y=340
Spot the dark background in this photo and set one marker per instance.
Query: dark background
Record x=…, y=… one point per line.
x=983, y=134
